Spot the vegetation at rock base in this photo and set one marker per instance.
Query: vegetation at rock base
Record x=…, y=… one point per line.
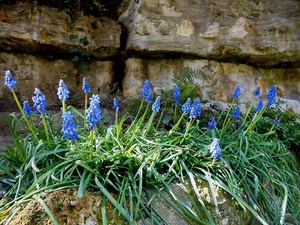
x=240, y=152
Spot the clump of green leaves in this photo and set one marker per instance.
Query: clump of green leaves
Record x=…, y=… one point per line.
x=137, y=152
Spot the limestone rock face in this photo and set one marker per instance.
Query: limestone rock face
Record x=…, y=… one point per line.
x=35, y=72
x=33, y=28
x=219, y=82
x=262, y=33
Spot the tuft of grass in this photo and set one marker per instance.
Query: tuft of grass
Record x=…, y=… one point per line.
x=256, y=168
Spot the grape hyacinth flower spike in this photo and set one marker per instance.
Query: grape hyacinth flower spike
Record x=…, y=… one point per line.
x=215, y=149
x=27, y=108
x=237, y=92
x=85, y=86
x=186, y=107
x=69, y=128
x=237, y=113
x=271, y=95
x=94, y=112
x=147, y=92
x=116, y=104
x=212, y=124
x=195, y=109
x=40, y=105
x=86, y=89
x=257, y=92
x=259, y=106
x=63, y=93
x=156, y=105
x=176, y=95
x=9, y=81
x=39, y=101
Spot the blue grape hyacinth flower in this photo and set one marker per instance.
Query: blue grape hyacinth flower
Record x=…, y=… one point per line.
x=212, y=124
x=237, y=92
x=195, y=109
x=69, y=128
x=156, y=104
x=62, y=91
x=27, y=108
x=116, y=104
x=176, y=95
x=259, y=106
x=186, y=107
x=39, y=101
x=271, y=95
x=257, y=92
x=94, y=112
x=146, y=91
x=215, y=149
x=9, y=81
x=237, y=113
x=85, y=86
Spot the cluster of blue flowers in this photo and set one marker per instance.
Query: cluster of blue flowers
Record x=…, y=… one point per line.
x=116, y=104
x=186, y=107
x=212, y=124
x=94, y=112
x=39, y=101
x=176, y=95
x=195, y=109
x=237, y=92
x=93, y=116
x=215, y=149
x=156, y=104
x=69, y=128
x=62, y=91
x=27, y=108
x=85, y=86
x=9, y=81
x=147, y=91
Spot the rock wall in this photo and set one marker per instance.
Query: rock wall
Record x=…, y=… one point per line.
x=253, y=42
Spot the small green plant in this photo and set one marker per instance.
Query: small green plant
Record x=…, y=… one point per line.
x=230, y=151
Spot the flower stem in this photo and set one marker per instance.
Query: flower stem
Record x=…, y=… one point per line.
x=23, y=115
x=64, y=105
x=85, y=108
x=92, y=143
x=46, y=129
x=176, y=125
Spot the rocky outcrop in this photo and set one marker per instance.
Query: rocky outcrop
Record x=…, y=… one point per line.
x=35, y=72
x=33, y=28
x=69, y=209
x=219, y=81
x=261, y=33
x=254, y=43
